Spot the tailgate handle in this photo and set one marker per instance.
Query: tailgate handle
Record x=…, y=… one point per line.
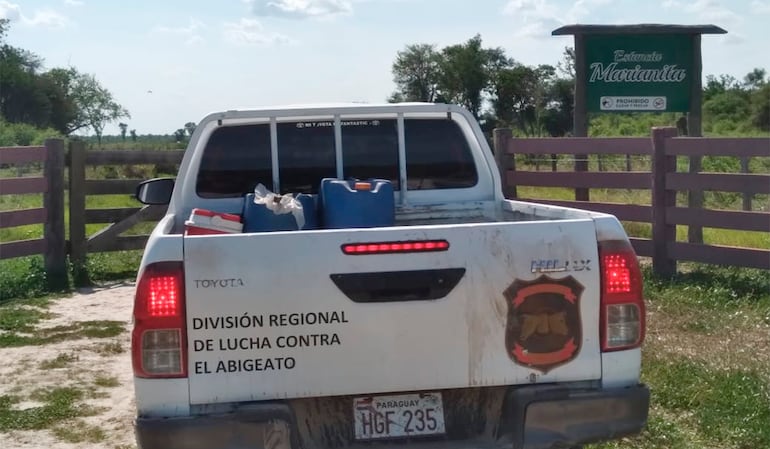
x=394, y=286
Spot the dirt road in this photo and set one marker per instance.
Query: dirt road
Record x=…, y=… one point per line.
x=77, y=391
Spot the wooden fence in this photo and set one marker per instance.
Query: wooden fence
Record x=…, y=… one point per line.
x=51, y=215
x=662, y=180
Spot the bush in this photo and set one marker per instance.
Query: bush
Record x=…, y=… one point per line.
x=23, y=277
x=22, y=134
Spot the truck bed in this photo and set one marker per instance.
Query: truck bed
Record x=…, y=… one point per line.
x=449, y=214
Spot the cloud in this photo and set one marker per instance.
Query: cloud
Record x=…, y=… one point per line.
x=760, y=7
x=540, y=17
x=712, y=10
x=535, y=30
x=300, y=9
x=732, y=39
x=530, y=9
x=44, y=18
x=74, y=2
x=9, y=11
x=545, y=9
x=251, y=32
x=706, y=11
x=189, y=33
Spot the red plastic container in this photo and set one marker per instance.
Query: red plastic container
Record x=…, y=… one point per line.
x=206, y=222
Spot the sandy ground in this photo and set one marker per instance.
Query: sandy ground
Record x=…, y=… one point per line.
x=21, y=373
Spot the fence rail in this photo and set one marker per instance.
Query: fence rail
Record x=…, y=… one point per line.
x=663, y=181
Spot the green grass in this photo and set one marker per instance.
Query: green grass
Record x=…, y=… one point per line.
x=75, y=331
x=106, y=381
x=31, y=201
x=20, y=318
x=60, y=361
x=113, y=266
x=711, y=288
x=725, y=406
x=23, y=277
x=710, y=383
x=58, y=404
x=696, y=406
x=79, y=432
x=108, y=349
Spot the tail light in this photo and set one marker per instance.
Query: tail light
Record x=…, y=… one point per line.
x=159, y=339
x=419, y=246
x=622, y=300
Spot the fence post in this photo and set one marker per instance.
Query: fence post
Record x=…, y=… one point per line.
x=55, y=255
x=78, y=240
x=662, y=232
x=747, y=197
x=695, y=129
x=505, y=160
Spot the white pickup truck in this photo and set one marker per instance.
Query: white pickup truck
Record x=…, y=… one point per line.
x=473, y=322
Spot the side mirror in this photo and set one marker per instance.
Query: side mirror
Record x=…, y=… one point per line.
x=155, y=191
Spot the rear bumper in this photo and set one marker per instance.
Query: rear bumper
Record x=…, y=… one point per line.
x=254, y=426
x=542, y=418
x=532, y=417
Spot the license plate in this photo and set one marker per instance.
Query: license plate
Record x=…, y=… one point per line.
x=405, y=415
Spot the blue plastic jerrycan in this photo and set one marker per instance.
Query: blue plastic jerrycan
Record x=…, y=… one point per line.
x=357, y=203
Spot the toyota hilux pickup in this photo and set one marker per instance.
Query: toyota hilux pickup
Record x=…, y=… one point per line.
x=472, y=321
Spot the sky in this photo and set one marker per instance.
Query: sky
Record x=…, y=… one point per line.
x=170, y=62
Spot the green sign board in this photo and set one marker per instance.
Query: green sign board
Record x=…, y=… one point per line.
x=631, y=72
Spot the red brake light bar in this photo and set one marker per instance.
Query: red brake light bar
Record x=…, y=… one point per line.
x=420, y=246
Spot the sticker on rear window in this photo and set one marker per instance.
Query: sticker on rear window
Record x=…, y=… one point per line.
x=544, y=327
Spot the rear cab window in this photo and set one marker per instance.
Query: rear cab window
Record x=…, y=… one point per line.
x=237, y=158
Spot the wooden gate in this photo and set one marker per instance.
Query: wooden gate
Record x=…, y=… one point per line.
x=116, y=220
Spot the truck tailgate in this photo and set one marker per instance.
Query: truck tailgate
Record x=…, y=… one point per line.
x=289, y=314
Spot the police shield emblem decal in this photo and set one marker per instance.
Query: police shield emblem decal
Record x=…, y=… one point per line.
x=544, y=327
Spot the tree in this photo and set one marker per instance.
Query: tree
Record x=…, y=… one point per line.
x=755, y=79
x=717, y=85
x=466, y=70
x=567, y=65
x=63, y=108
x=190, y=128
x=396, y=97
x=524, y=97
x=133, y=135
x=123, y=129
x=416, y=73
x=60, y=98
x=512, y=92
x=26, y=94
x=558, y=114
x=179, y=135
x=760, y=107
x=96, y=106
x=23, y=98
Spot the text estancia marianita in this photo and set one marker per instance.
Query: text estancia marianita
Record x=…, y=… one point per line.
x=610, y=73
